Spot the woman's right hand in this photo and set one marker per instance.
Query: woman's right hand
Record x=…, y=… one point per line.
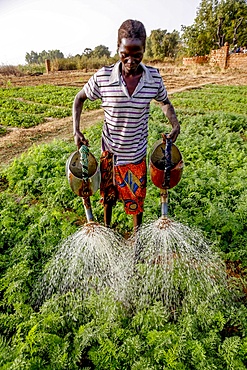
x=80, y=140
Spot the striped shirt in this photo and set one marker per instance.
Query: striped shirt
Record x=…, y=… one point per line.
x=125, y=127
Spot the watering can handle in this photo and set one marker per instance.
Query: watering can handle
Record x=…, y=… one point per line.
x=168, y=150
x=168, y=163
x=84, y=151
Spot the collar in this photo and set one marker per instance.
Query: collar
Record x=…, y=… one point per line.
x=115, y=75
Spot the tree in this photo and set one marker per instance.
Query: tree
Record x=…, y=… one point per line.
x=216, y=22
x=173, y=43
x=234, y=14
x=200, y=38
x=161, y=44
x=155, y=47
x=39, y=58
x=220, y=35
x=32, y=57
x=101, y=51
x=87, y=52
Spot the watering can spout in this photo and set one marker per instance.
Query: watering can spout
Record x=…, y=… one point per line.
x=164, y=203
x=88, y=209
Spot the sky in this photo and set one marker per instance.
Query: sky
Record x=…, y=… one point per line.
x=71, y=26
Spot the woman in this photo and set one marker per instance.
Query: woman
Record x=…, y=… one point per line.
x=126, y=90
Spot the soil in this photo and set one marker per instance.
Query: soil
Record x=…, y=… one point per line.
x=18, y=140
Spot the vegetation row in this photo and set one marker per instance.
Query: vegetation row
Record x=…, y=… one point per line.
x=38, y=210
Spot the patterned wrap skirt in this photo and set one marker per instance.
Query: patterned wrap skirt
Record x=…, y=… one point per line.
x=123, y=182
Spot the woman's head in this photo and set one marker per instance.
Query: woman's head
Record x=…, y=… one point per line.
x=132, y=29
x=131, y=45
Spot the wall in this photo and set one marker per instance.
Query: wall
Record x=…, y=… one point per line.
x=220, y=58
x=195, y=60
x=237, y=60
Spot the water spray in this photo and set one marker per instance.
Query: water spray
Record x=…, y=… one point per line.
x=173, y=262
x=93, y=259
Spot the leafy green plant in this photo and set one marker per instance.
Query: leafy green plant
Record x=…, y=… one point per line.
x=38, y=210
x=30, y=106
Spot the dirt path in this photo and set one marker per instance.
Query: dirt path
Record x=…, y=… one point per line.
x=17, y=140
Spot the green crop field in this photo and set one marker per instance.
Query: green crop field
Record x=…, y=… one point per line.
x=38, y=210
x=30, y=106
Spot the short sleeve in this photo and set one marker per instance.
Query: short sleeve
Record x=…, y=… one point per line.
x=91, y=88
x=162, y=92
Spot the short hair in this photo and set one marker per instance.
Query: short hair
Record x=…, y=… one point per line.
x=132, y=29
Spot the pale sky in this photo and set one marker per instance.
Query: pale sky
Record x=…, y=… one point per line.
x=73, y=25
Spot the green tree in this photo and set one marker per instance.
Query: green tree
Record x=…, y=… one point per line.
x=216, y=22
x=87, y=52
x=161, y=44
x=234, y=15
x=55, y=54
x=200, y=38
x=31, y=57
x=101, y=51
x=155, y=43
x=172, y=43
x=39, y=58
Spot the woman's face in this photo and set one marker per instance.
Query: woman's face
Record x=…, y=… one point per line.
x=131, y=53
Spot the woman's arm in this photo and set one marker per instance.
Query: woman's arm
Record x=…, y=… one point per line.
x=77, y=109
x=169, y=112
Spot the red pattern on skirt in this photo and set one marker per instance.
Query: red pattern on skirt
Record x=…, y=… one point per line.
x=125, y=182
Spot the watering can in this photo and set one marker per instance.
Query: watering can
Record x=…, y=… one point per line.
x=166, y=167
x=83, y=174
